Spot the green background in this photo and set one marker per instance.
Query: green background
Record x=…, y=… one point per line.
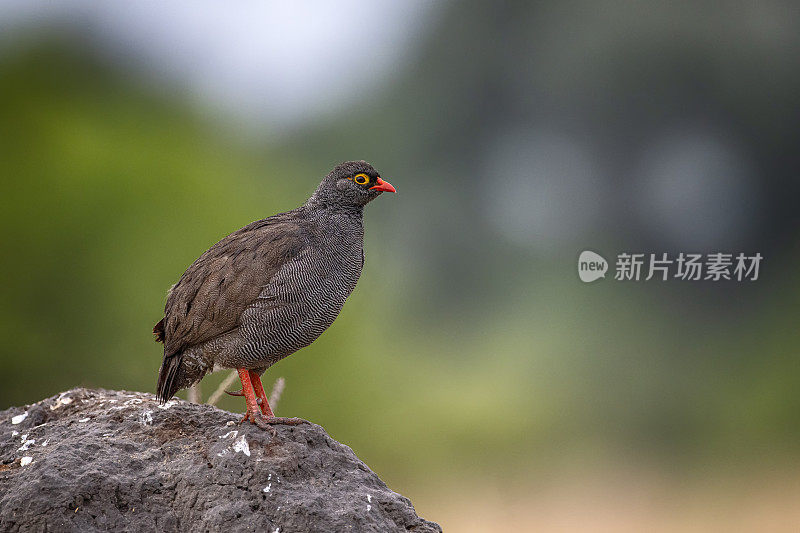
x=466, y=367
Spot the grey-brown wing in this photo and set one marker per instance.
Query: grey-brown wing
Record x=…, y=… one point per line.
x=212, y=294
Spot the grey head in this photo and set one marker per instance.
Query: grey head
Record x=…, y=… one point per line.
x=351, y=185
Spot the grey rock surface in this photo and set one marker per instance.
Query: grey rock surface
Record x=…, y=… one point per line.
x=99, y=460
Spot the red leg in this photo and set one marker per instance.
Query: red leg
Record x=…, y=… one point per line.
x=255, y=379
x=253, y=414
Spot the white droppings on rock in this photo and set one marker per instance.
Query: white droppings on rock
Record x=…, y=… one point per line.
x=46, y=442
x=228, y=434
x=25, y=461
x=14, y=433
x=369, y=501
x=26, y=444
x=133, y=401
x=61, y=400
x=242, y=446
x=223, y=452
x=24, y=437
x=266, y=489
x=84, y=419
x=276, y=530
x=19, y=418
x=230, y=423
x=108, y=435
x=167, y=405
x=146, y=418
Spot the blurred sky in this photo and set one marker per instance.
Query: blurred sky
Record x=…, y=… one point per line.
x=287, y=63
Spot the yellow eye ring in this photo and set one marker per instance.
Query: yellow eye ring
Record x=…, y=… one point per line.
x=361, y=179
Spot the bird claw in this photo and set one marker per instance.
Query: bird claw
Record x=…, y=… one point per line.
x=269, y=422
x=286, y=421
x=240, y=392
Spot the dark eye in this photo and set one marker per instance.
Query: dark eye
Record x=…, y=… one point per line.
x=361, y=179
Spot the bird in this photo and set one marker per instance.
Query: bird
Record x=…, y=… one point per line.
x=267, y=290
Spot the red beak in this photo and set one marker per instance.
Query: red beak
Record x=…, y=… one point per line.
x=382, y=185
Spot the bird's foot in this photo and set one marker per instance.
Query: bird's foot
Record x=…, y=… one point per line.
x=267, y=422
x=286, y=421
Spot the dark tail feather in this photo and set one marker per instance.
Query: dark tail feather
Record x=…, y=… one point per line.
x=158, y=330
x=168, y=377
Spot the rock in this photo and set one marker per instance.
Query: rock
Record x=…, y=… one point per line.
x=98, y=460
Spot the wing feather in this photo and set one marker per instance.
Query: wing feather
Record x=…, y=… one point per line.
x=212, y=294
